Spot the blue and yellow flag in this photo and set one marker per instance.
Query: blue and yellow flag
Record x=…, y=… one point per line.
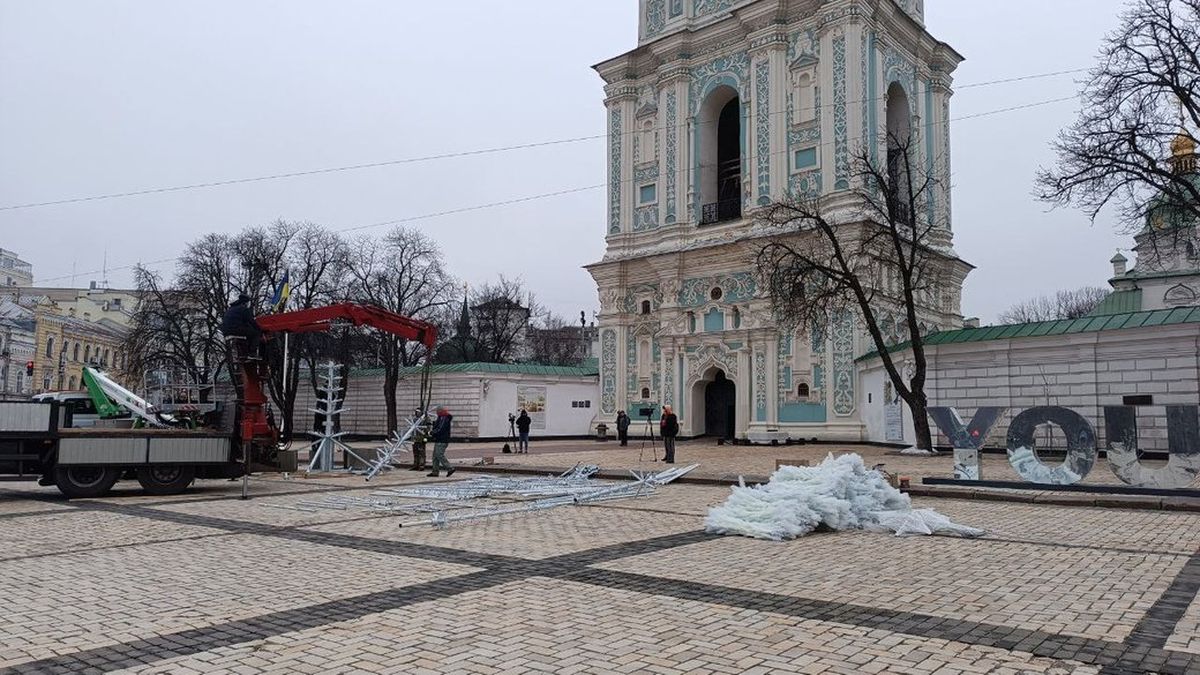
x=279, y=300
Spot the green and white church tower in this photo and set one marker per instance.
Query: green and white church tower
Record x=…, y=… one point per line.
x=723, y=108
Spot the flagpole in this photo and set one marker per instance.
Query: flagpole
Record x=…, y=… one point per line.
x=286, y=363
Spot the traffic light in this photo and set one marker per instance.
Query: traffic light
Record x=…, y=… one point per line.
x=29, y=369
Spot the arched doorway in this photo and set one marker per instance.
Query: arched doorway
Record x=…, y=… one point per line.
x=720, y=407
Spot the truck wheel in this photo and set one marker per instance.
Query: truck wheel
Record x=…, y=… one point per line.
x=85, y=481
x=166, y=480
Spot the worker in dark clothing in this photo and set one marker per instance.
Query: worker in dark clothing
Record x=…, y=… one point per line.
x=623, y=427
x=441, y=439
x=239, y=322
x=524, y=421
x=669, y=428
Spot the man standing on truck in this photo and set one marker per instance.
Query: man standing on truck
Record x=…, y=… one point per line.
x=239, y=322
x=441, y=439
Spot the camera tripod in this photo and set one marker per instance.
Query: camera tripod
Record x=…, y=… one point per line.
x=512, y=436
x=648, y=435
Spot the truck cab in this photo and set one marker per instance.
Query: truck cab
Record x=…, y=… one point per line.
x=80, y=410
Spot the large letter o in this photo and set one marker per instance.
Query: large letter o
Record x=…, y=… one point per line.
x=1081, y=446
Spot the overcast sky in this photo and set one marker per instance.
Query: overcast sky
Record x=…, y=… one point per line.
x=111, y=96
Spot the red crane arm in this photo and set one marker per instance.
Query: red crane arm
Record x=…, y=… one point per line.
x=322, y=318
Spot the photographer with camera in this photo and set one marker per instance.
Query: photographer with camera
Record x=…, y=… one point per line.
x=523, y=424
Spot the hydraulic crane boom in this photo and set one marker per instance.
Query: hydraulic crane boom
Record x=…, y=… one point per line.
x=322, y=319
x=257, y=426
x=104, y=391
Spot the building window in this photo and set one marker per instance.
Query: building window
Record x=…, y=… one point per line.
x=691, y=322
x=648, y=194
x=104, y=359
x=802, y=391
x=645, y=393
x=805, y=159
x=72, y=381
x=46, y=383
x=899, y=134
x=87, y=354
x=645, y=307
x=720, y=126
x=647, y=152
x=75, y=353
x=806, y=99
x=50, y=347
x=716, y=293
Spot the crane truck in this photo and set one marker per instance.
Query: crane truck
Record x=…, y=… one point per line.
x=38, y=441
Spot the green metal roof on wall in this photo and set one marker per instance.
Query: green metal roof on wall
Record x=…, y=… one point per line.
x=1088, y=324
x=1119, y=302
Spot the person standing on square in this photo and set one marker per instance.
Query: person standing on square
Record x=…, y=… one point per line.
x=623, y=428
x=441, y=440
x=523, y=424
x=669, y=429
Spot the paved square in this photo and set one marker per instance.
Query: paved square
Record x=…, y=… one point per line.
x=205, y=582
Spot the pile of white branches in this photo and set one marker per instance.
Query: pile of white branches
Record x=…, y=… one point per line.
x=840, y=493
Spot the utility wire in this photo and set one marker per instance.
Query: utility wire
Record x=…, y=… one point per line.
x=454, y=155
x=558, y=193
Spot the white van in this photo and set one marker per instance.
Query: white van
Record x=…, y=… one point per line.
x=78, y=403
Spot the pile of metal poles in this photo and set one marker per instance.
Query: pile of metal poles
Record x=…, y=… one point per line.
x=489, y=496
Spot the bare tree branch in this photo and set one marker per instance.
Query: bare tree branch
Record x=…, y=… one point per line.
x=1116, y=153
x=876, y=267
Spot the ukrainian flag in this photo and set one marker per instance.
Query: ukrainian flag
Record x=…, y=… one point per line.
x=282, y=293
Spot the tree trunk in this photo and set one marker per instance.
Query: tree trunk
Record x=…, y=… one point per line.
x=921, y=429
x=391, y=380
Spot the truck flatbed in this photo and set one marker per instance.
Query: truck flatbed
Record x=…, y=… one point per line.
x=102, y=432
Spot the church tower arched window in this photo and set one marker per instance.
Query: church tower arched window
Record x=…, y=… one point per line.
x=899, y=137
x=720, y=130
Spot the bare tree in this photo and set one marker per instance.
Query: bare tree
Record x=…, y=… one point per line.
x=832, y=269
x=554, y=341
x=404, y=272
x=1062, y=305
x=179, y=324
x=170, y=331
x=1145, y=87
x=501, y=314
x=315, y=262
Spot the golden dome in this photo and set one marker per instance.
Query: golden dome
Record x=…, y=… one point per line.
x=1183, y=145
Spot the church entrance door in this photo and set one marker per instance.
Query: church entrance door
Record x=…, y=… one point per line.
x=720, y=407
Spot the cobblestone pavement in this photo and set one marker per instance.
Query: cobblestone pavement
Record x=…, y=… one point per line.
x=723, y=461
x=205, y=582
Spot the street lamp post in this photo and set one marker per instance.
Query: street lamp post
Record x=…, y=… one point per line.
x=6, y=357
x=62, y=365
x=583, y=346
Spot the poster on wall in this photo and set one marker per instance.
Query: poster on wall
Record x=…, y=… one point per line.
x=533, y=401
x=893, y=422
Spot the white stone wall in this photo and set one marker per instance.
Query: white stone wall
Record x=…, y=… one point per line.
x=476, y=414
x=1084, y=372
